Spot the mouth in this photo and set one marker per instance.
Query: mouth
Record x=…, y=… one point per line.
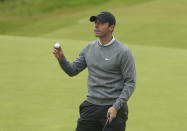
x=96, y=31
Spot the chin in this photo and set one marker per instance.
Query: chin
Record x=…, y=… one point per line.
x=97, y=35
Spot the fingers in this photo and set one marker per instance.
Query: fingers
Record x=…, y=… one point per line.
x=111, y=118
x=111, y=114
x=55, y=52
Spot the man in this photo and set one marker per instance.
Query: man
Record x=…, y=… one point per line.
x=111, y=79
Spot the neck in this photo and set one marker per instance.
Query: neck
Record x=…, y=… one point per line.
x=105, y=39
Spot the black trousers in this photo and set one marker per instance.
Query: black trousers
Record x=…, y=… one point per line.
x=93, y=118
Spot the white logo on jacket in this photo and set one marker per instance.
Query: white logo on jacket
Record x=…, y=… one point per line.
x=107, y=59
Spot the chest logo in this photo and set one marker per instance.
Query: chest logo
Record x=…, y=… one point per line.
x=107, y=59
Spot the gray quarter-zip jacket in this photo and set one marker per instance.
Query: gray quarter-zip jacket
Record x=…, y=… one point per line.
x=111, y=72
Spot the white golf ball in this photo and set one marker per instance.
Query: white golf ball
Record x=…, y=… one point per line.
x=57, y=45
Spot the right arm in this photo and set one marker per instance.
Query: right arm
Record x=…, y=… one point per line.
x=71, y=68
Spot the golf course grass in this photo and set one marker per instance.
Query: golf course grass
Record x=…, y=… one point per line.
x=36, y=95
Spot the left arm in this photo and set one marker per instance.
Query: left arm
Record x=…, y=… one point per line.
x=128, y=71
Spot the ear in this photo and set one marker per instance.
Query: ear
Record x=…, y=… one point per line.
x=111, y=28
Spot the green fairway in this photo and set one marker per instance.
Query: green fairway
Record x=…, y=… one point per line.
x=36, y=95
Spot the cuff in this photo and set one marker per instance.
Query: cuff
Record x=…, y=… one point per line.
x=118, y=104
x=62, y=60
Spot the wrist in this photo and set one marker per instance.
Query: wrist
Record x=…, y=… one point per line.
x=115, y=108
x=60, y=57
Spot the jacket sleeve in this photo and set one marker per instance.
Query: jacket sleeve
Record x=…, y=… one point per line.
x=75, y=67
x=128, y=71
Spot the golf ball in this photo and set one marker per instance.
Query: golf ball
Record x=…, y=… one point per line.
x=57, y=45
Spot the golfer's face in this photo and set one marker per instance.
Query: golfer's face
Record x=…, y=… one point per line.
x=101, y=29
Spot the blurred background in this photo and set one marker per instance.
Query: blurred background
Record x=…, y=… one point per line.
x=35, y=94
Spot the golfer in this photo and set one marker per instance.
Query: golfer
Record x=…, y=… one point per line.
x=111, y=77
